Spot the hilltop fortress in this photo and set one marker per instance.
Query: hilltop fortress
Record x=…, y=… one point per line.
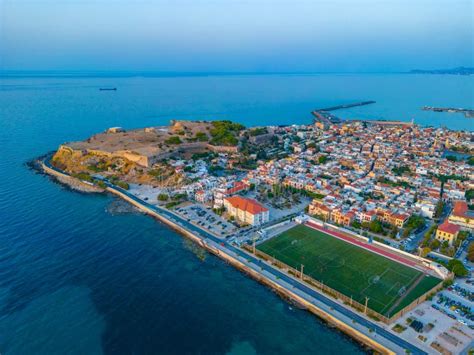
x=147, y=146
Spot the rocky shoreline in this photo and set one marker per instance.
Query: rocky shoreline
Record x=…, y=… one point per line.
x=68, y=181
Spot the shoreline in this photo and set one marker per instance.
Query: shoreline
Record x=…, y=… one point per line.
x=275, y=283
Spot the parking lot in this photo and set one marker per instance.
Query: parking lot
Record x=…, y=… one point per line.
x=457, y=303
x=204, y=217
x=435, y=330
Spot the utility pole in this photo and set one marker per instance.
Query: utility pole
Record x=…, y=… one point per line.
x=366, y=302
x=301, y=274
x=351, y=300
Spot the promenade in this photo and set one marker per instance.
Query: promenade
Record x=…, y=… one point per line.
x=354, y=324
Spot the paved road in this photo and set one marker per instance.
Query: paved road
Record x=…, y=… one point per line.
x=381, y=332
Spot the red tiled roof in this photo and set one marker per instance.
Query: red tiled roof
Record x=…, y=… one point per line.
x=460, y=209
x=246, y=204
x=448, y=227
x=238, y=186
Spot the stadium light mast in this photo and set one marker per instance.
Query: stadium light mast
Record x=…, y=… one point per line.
x=366, y=302
x=301, y=273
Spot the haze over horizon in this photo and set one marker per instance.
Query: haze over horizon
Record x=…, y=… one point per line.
x=236, y=36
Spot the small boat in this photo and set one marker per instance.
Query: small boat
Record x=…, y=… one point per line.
x=108, y=89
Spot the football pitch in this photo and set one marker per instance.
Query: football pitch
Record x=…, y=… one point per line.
x=349, y=269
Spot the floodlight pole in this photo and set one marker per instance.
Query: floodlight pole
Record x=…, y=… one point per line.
x=366, y=301
x=301, y=274
x=254, y=245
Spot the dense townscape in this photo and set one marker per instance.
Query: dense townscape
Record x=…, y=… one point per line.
x=391, y=203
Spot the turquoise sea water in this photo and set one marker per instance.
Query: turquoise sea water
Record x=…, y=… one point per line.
x=77, y=278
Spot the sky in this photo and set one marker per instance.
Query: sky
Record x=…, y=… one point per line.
x=236, y=36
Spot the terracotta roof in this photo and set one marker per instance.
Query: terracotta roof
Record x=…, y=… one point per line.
x=448, y=227
x=460, y=209
x=246, y=204
x=238, y=186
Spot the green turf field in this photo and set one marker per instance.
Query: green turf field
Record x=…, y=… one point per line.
x=349, y=269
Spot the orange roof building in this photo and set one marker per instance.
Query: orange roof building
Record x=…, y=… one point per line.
x=246, y=210
x=462, y=216
x=447, y=232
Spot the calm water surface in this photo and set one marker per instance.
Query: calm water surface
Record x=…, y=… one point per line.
x=77, y=278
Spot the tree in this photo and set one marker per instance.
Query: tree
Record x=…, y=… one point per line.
x=439, y=209
x=173, y=140
x=425, y=251
x=470, y=252
x=201, y=137
x=434, y=245
x=322, y=159
x=376, y=226
x=451, y=158
x=469, y=194
x=162, y=197
x=457, y=267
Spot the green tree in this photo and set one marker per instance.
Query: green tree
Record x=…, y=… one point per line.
x=376, y=226
x=457, y=267
x=470, y=252
x=425, y=251
x=201, y=137
x=173, y=140
x=162, y=197
x=469, y=194
x=322, y=159
x=439, y=209
x=434, y=245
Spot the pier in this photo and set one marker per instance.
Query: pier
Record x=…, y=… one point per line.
x=467, y=112
x=322, y=114
x=340, y=107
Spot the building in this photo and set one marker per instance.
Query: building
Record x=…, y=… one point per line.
x=246, y=210
x=317, y=208
x=340, y=217
x=203, y=196
x=462, y=216
x=447, y=232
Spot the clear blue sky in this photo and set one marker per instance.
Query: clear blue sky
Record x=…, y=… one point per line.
x=230, y=35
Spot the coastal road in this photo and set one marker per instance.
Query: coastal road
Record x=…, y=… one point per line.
x=258, y=265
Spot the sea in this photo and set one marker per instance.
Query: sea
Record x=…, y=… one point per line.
x=87, y=274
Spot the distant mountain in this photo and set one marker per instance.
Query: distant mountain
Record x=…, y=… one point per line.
x=454, y=71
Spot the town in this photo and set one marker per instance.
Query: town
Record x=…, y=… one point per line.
x=395, y=188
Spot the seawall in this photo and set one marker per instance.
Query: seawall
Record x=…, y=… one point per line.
x=234, y=261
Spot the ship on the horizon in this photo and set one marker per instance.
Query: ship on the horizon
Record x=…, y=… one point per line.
x=107, y=89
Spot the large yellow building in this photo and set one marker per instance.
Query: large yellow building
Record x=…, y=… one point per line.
x=246, y=210
x=447, y=232
x=462, y=216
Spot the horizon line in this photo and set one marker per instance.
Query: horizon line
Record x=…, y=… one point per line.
x=156, y=73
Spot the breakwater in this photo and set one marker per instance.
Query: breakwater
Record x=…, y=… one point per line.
x=467, y=112
x=340, y=107
x=324, y=116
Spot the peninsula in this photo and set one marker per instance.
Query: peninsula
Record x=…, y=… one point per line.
x=365, y=224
